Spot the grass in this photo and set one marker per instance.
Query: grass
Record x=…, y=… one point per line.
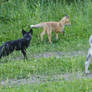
x=16, y=69
x=82, y=85
x=16, y=15
x=22, y=15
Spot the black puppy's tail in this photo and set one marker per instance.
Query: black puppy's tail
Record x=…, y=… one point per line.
x=1, y=50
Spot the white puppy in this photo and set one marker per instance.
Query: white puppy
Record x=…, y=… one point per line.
x=89, y=56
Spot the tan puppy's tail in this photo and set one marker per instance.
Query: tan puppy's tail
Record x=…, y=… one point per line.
x=37, y=25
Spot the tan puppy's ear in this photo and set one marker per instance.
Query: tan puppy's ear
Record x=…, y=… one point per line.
x=67, y=16
x=23, y=31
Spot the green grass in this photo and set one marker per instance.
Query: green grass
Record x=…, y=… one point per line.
x=82, y=85
x=23, y=14
x=16, y=69
x=16, y=15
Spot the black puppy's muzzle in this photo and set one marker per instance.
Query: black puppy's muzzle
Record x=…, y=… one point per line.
x=28, y=39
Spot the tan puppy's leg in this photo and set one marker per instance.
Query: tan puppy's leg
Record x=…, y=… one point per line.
x=56, y=36
x=42, y=34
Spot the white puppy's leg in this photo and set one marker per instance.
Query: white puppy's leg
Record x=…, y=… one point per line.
x=87, y=63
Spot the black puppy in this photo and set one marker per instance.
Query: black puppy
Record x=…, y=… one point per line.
x=20, y=44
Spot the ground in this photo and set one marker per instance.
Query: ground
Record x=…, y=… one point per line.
x=54, y=77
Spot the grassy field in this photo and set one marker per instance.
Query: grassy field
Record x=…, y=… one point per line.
x=44, y=66
x=20, y=15
x=82, y=85
x=19, y=69
x=16, y=15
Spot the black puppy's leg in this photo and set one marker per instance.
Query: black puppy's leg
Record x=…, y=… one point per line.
x=24, y=53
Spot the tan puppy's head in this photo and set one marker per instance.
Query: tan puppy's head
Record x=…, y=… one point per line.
x=65, y=20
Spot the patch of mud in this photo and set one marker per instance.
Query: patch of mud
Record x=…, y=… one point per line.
x=43, y=79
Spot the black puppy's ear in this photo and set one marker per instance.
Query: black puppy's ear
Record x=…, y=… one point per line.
x=31, y=31
x=23, y=31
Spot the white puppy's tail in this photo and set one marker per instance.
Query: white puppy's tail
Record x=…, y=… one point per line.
x=37, y=25
x=90, y=40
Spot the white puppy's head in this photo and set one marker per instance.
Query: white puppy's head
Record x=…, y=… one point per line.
x=90, y=40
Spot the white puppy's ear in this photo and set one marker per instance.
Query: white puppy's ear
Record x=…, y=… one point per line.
x=90, y=40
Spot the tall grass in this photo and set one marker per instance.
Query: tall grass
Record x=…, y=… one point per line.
x=16, y=15
x=43, y=66
x=21, y=14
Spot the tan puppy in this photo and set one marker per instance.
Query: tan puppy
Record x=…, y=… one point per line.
x=57, y=27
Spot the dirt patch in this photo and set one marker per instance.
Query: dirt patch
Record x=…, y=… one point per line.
x=43, y=79
x=60, y=54
x=52, y=54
